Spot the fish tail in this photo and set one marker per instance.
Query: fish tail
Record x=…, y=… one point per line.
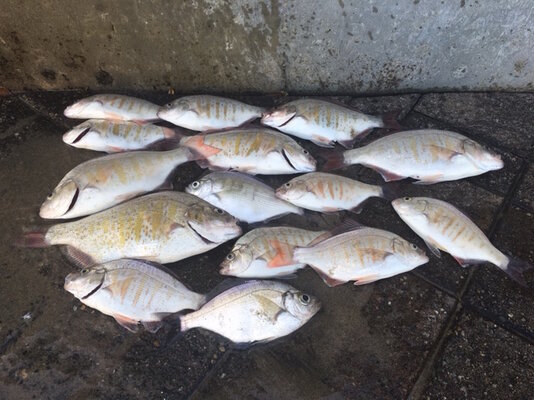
x=390, y=121
x=172, y=139
x=335, y=159
x=390, y=191
x=35, y=238
x=515, y=269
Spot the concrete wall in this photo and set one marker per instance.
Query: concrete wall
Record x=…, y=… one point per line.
x=331, y=46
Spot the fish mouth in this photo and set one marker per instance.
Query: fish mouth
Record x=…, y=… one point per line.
x=48, y=213
x=204, y=239
x=287, y=159
x=81, y=135
x=94, y=290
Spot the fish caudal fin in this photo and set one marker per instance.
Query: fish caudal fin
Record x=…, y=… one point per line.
x=334, y=160
x=165, y=144
x=390, y=121
x=391, y=190
x=515, y=270
x=36, y=238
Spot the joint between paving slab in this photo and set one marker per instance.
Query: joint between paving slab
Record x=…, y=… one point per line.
x=209, y=374
x=40, y=112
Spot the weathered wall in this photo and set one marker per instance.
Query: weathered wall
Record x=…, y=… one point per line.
x=332, y=46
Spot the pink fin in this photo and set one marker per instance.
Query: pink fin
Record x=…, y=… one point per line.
x=152, y=326
x=386, y=175
x=322, y=141
x=284, y=254
x=390, y=120
x=329, y=281
x=367, y=279
x=126, y=196
x=114, y=149
x=35, y=239
x=196, y=143
x=334, y=160
x=169, y=133
x=348, y=144
x=429, y=180
x=126, y=322
x=467, y=263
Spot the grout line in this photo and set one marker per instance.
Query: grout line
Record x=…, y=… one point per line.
x=40, y=112
x=210, y=373
x=436, y=285
x=428, y=367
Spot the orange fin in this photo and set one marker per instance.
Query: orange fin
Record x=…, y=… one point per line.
x=126, y=322
x=331, y=282
x=367, y=279
x=284, y=254
x=197, y=144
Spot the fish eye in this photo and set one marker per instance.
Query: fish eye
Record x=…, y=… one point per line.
x=219, y=211
x=407, y=198
x=288, y=185
x=230, y=257
x=304, y=299
x=413, y=246
x=84, y=271
x=50, y=195
x=306, y=152
x=195, y=184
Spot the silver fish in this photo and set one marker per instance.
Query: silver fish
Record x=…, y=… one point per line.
x=132, y=292
x=242, y=196
x=267, y=252
x=163, y=227
x=252, y=151
x=204, y=112
x=114, y=137
x=362, y=255
x=115, y=107
x=444, y=227
x=254, y=312
x=323, y=192
x=428, y=155
x=103, y=182
x=323, y=122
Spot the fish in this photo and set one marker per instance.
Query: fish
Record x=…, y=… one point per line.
x=443, y=227
x=427, y=155
x=163, y=227
x=208, y=113
x=113, y=137
x=319, y=191
x=114, y=107
x=105, y=181
x=133, y=292
x=251, y=151
x=324, y=122
x=254, y=312
x=242, y=196
x=267, y=252
x=361, y=254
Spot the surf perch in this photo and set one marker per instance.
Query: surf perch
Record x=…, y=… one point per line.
x=254, y=312
x=133, y=292
x=443, y=227
x=114, y=107
x=208, y=113
x=427, y=155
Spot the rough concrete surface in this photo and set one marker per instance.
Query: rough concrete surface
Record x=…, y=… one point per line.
x=331, y=46
x=440, y=331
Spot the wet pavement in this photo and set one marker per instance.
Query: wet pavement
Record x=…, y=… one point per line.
x=440, y=331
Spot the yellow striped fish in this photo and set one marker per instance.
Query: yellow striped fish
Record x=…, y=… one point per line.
x=323, y=192
x=362, y=255
x=324, y=122
x=444, y=227
x=132, y=292
x=267, y=252
x=163, y=227
x=115, y=107
x=114, y=137
x=206, y=113
x=105, y=181
x=252, y=151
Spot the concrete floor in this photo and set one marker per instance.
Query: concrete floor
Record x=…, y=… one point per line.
x=438, y=332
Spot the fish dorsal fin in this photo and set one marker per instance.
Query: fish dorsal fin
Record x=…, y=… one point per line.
x=224, y=286
x=346, y=226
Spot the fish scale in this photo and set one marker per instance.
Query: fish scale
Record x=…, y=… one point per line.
x=156, y=227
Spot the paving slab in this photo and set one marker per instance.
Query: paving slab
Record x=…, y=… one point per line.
x=353, y=346
x=491, y=292
x=504, y=119
x=525, y=192
x=482, y=360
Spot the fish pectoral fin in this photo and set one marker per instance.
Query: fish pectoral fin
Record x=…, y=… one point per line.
x=114, y=149
x=464, y=263
x=429, y=180
x=77, y=257
x=126, y=322
x=197, y=144
x=284, y=254
x=152, y=326
x=443, y=153
x=388, y=176
x=322, y=141
x=433, y=249
x=348, y=144
x=366, y=279
x=270, y=309
x=127, y=196
x=327, y=279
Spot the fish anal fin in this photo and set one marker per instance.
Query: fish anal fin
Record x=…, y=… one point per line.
x=433, y=248
x=388, y=176
x=77, y=257
x=152, y=326
x=322, y=141
x=429, y=180
x=366, y=279
x=464, y=263
x=126, y=322
x=331, y=282
x=284, y=254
